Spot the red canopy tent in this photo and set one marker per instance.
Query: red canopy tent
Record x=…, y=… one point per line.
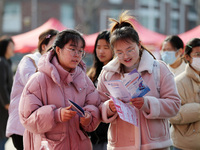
x=152, y=40
x=188, y=35
x=147, y=36
x=90, y=41
x=27, y=42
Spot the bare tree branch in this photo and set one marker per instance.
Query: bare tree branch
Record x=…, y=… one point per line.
x=85, y=12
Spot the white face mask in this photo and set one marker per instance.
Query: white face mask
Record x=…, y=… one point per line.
x=196, y=63
x=169, y=57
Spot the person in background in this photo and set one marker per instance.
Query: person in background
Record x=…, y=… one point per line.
x=172, y=52
x=44, y=107
x=154, y=109
x=6, y=80
x=185, y=129
x=26, y=68
x=102, y=55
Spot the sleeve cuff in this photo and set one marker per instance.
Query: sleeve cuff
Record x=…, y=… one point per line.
x=145, y=106
x=90, y=118
x=58, y=115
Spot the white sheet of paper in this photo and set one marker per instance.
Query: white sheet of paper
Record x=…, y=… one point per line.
x=125, y=111
x=131, y=86
x=118, y=90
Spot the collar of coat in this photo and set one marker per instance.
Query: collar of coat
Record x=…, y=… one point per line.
x=194, y=76
x=49, y=65
x=146, y=64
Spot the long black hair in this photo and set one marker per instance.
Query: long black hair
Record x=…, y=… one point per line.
x=95, y=70
x=4, y=41
x=175, y=41
x=66, y=36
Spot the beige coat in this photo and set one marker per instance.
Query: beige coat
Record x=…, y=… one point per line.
x=185, y=130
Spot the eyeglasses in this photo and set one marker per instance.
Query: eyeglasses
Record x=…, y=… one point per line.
x=197, y=54
x=128, y=53
x=73, y=52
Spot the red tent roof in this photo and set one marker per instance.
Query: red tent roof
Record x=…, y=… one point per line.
x=27, y=42
x=193, y=33
x=147, y=37
x=90, y=41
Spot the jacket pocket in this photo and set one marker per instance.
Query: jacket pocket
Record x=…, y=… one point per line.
x=112, y=132
x=189, y=129
x=156, y=128
x=55, y=136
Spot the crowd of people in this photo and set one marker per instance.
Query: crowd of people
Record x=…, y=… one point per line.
x=36, y=105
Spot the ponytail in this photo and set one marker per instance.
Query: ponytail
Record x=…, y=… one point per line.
x=124, y=21
x=124, y=30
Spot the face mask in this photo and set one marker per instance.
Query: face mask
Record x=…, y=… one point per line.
x=169, y=57
x=196, y=63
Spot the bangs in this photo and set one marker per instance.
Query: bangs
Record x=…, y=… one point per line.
x=125, y=34
x=75, y=39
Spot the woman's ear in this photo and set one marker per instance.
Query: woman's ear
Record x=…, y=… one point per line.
x=139, y=45
x=181, y=52
x=43, y=49
x=187, y=58
x=58, y=49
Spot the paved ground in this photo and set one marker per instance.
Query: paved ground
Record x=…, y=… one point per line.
x=9, y=145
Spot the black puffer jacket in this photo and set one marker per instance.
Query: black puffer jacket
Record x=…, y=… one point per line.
x=6, y=80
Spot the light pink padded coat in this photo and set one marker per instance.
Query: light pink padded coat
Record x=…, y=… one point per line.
x=26, y=68
x=42, y=99
x=153, y=129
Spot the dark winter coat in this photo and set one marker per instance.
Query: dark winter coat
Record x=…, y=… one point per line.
x=6, y=79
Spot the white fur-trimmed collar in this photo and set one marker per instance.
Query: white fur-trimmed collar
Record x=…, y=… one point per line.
x=146, y=62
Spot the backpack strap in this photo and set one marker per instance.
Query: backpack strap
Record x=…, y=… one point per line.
x=156, y=72
x=34, y=58
x=34, y=63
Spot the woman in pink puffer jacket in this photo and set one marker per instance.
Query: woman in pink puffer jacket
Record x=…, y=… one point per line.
x=44, y=108
x=152, y=110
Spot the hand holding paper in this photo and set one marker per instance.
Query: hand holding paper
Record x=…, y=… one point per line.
x=86, y=120
x=67, y=114
x=131, y=86
x=77, y=108
x=137, y=102
x=126, y=112
x=112, y=106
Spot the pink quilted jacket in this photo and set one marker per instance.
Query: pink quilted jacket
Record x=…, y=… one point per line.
x=159, y=106
x=42, y=99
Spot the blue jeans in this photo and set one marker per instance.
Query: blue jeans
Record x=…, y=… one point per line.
x=2, y=143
